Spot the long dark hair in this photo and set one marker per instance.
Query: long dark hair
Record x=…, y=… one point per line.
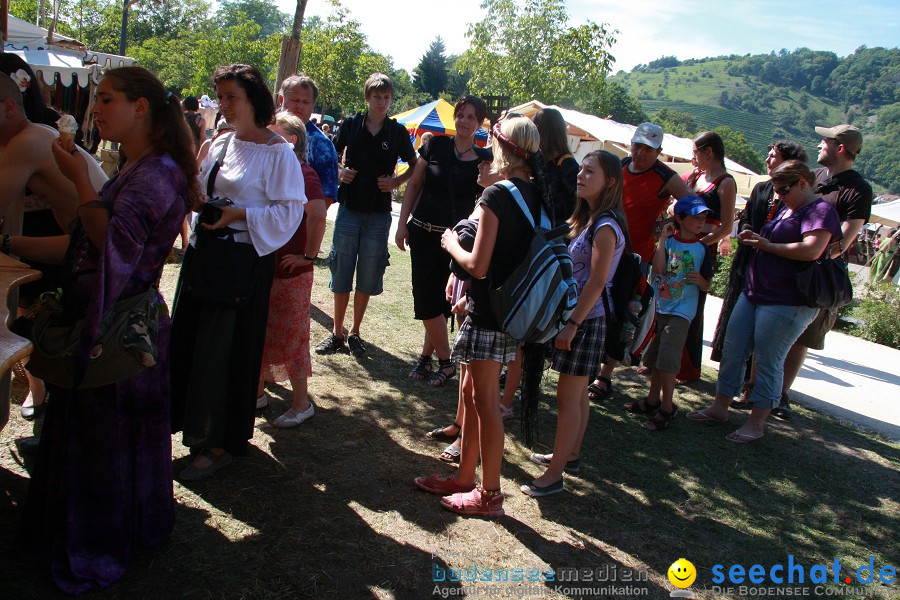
x=36, y=109
x=552, y=127
x=169, y=132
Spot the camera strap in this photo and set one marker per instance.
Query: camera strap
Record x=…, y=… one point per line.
x=211, y=178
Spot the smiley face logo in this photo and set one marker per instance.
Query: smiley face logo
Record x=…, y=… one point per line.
x=682, y=573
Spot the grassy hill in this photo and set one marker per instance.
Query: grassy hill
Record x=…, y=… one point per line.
x=761, y=111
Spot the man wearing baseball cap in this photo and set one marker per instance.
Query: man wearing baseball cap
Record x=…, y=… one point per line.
x=647, y=185
x=839, y=184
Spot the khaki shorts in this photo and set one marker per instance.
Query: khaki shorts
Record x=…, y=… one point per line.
x=814, y=335
x=665, y=351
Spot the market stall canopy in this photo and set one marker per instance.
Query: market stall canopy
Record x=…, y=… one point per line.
x=436, y=117
x=587, y=133
x=887, y=213
x=65, y=58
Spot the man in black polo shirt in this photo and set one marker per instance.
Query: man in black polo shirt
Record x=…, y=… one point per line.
x=368, y=146
x=839, y=184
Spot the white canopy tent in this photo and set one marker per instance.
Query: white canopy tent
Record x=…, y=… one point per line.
x=588, y=133
x=63, y=60
x=887, y=213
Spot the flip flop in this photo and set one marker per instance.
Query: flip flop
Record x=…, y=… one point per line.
x=742, y=438
x=450, y=454
x=699, y=415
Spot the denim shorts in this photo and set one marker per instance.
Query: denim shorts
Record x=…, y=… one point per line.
x=359, y=245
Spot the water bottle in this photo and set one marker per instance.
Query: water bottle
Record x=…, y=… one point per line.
x=629, y=329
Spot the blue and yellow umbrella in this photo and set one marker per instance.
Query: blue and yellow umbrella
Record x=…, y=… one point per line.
x=436, y=117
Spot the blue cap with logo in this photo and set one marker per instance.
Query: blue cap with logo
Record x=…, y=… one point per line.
x=691, y=205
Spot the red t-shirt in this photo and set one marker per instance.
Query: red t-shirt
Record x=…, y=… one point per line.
x=643, y=199
x=297, y=243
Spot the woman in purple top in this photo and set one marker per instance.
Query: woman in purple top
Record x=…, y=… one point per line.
x=771, y=309
x=102, y=483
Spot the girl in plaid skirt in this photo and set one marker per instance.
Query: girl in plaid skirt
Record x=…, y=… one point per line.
x=596, y=246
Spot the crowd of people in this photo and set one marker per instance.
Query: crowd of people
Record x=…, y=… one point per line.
x=256, y=185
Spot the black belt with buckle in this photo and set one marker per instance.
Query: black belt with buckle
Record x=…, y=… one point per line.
x=427, y=226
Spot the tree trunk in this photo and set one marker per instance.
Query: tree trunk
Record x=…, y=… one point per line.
x=123, y=34
x=290, y=47
x=4, y=21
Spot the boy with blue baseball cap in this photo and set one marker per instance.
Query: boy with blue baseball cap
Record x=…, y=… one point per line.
x=684, y=267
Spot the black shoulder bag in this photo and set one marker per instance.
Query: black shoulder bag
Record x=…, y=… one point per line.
x=825, y=283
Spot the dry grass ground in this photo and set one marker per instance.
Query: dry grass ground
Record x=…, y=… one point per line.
x=328, y=510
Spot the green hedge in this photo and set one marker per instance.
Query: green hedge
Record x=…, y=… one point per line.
x=878, y=314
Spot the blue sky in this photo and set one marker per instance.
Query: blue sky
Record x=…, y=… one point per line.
x=648, y=28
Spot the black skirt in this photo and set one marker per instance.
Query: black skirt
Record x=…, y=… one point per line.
x=216, y=356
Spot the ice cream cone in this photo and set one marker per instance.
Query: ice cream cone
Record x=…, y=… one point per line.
x=67, y=141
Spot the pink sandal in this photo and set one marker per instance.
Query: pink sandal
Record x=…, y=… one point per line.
x=435, y=484
x=479, y=502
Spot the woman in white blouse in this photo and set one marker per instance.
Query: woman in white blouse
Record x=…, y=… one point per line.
x=216, y=346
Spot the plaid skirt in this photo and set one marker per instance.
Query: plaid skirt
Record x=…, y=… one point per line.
x=583, y=360
x=476, y=343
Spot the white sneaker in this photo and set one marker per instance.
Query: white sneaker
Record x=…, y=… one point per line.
x=292, y=418
x=262, y=401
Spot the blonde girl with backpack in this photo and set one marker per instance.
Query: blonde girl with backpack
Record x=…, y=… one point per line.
x=503, y=236
x=596, y=245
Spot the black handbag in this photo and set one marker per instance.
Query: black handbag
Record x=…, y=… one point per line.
x=125, y=346
x=825, y=283
x=222, y=271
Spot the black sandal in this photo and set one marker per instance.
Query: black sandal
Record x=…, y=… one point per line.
x=440, y=377
x=595, y=392
x=438, y=434
x=641, y=407
x=661, y=419
x=422, y=369
x=742, y=402
x=783, y=411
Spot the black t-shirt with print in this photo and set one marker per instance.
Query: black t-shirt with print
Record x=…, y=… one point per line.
x=372, y=157
x=450, y=188
x=848, y=192
x=513, y=238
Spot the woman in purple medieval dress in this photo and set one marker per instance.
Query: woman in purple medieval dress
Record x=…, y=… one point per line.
x=102, y=484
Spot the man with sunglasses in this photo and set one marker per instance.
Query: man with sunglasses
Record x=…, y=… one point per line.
x=839, y=184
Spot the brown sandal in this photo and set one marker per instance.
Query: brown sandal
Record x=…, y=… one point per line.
x=641, y=407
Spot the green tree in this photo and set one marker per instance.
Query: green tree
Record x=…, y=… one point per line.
x=879, y=162
x=620, y=106
x=172, y=60
x=868, y=76
x=676, y=122
x=406, y=93
x=431, y=73
x=457, y=79
x=336, y=55
x=240, y=43
x=527, y=50
x=165, y=19
x=265, y=14
x=739, y=150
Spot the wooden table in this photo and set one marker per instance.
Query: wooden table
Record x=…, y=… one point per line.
x=12, y=347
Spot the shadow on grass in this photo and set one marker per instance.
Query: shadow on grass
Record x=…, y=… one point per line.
x=328, y=509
